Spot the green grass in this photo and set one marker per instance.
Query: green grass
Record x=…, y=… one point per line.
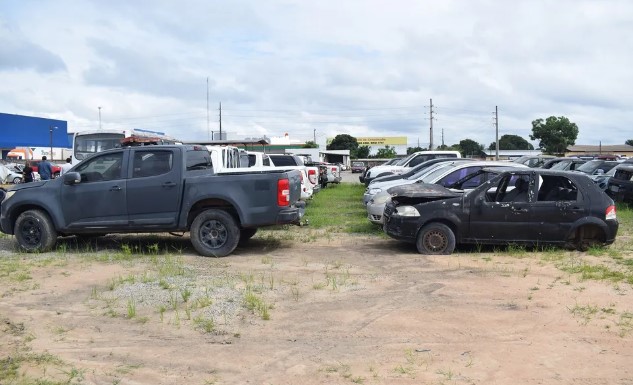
x=340, y=208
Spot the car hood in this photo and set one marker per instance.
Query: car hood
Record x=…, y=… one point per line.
x=420, y=193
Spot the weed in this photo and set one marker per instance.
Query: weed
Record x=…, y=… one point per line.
x=131, y=308
x=205, y=324
x=185, y=294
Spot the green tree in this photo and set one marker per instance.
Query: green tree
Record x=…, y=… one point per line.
x=512, y=142
x=310, y=144
x=387, y=152
x=362, y=152
x=343, y=142
x=411, y=150
x=445, y=147
x=554, y=134
x=629, y=142
x=470, y=148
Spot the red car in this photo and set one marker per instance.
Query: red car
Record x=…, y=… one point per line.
x=56, y=169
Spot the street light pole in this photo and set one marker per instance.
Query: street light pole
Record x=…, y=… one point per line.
x=99, y=116
x=51, y=140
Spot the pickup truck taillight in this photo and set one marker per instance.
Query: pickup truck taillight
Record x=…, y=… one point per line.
x=334, y=170
x=283, y=192
x=312, y=176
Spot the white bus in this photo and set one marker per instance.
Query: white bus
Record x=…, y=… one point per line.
x=86, y=143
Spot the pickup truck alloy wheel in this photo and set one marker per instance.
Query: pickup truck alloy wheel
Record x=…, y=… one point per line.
x=214, y=233
x=436, y=238
x=34, y=231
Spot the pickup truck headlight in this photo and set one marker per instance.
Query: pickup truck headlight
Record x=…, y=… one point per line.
x=407, y=211
x=374, y=191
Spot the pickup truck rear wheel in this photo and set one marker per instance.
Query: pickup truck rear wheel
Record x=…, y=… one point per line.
x=214, y=233
x=35, y=232
x=436, y=238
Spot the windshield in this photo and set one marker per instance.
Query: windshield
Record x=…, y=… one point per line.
x=562, y=165
x=86, y=145
x=435, y=172
x=593, y=165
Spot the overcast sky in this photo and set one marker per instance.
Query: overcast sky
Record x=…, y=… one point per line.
x=361, y=67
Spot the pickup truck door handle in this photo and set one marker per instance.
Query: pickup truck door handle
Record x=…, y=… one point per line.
x=169, y=184
x=519, y=210
x=115, y=188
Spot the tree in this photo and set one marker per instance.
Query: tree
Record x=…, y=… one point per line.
x=445, y=147
x=387, y=152
x=629, y=142
x=310, y=144
x=512, y=142
x=470, y=148
x=554, y=134
x=343, y=142
x=362, y=152
x=411, y=150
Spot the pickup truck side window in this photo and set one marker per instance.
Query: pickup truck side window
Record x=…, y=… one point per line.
x=101, y=168
x=151, y=163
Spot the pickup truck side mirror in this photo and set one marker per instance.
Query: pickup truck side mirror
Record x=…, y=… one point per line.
x=71, y=178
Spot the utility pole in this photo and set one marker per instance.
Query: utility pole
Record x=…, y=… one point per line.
x=496, y=133
x=431, y=126
x=220, y=120
x=208, y=129
x=99, y=117
x=442, y=138
x=314, y=134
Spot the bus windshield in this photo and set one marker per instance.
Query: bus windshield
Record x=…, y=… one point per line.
x=86, y=145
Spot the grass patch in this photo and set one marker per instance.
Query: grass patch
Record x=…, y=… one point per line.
x=340, y=208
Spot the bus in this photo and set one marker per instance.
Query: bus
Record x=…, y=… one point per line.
x=86, y=143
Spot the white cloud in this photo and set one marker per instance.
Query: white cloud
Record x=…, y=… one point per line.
x=358, y=67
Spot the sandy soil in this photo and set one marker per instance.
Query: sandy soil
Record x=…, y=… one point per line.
x=341, y=308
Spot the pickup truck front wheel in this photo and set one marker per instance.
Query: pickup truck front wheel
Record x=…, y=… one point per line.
x=214, y=233
x=35, y=232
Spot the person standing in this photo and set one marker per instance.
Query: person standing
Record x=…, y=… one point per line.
x=45, y=168
x=66, y=166
x=27, y=173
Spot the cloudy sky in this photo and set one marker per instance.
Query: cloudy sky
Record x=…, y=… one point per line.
x=321, y=68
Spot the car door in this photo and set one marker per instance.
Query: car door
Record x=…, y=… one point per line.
x=154, y=187
x=494, y=220
x=99, y=199
x=559, y=204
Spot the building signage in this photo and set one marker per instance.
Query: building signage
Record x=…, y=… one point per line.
x=379, y=140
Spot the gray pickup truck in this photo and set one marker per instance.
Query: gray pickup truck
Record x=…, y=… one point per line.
x=165, y=188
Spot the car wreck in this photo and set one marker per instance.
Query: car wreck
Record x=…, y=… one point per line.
x=519, y=206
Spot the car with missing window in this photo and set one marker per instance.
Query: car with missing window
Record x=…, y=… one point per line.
x=455, y=176
x=519, y=206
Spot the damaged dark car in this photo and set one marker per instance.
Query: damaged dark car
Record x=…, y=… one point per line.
x=519, y=206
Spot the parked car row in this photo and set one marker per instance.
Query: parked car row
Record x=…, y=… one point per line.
x=445, y=202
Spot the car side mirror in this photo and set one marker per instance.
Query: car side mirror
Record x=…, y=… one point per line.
x=71, y=178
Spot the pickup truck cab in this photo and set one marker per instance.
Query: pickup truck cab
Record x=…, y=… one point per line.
x=162, y=188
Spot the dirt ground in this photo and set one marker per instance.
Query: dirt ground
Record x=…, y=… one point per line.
x=308, y=309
